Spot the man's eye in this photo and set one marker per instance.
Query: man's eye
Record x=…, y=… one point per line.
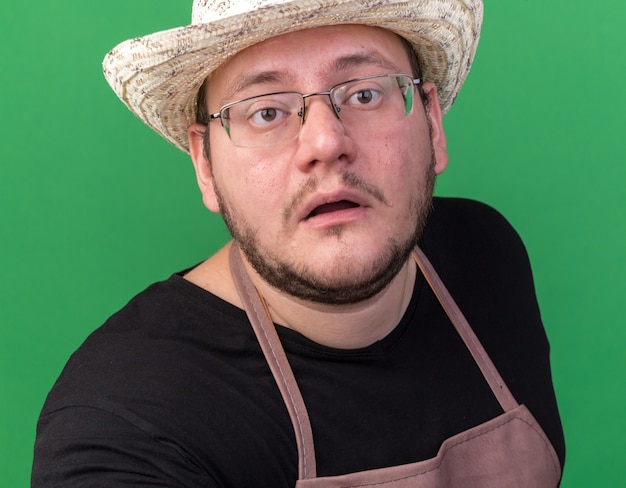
x=364, y=97
x=267, y=116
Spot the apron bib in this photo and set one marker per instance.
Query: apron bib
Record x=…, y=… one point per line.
x=510, y=450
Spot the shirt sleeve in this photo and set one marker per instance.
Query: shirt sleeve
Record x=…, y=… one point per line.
x=90, y=447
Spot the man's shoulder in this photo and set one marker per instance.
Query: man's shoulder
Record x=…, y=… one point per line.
x=172, y=306
x=462, y=212
x=171, y=323
x=471, y=244
x=468, y=227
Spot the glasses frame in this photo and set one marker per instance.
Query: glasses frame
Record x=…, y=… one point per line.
x=416, y=83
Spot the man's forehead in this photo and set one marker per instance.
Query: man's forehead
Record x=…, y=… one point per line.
x=340, y=49
x=342, y=64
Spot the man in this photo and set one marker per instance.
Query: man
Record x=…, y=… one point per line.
x=320, y=347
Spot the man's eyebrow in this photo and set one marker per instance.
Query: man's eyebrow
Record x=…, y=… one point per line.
x=253, y=78
x=363, y=58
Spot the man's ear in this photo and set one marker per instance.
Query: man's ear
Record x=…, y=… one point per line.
x=202, y=165
x=438, y=136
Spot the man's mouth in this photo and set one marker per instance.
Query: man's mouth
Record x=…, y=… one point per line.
x=332, y=207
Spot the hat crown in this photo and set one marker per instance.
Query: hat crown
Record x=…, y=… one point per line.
x=158, y=76
x=206, y=11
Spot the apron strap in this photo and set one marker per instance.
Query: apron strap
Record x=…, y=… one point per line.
x=266, y=334
x=489, y=371
x=277, y=360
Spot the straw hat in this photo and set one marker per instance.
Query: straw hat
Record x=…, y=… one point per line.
x=158, y=76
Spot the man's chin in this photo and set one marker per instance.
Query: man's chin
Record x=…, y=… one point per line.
x=342, y=286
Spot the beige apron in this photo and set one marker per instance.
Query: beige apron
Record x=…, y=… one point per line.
x=510, y=450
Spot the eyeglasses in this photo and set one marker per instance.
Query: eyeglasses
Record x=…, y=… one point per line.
x=361, y=104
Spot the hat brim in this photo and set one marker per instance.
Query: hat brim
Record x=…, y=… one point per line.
x=158, y=76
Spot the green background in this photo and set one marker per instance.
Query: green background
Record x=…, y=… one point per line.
x=94, y=206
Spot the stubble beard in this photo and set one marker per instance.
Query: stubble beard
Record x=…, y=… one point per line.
x=303, y=283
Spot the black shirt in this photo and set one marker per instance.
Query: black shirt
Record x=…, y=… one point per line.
x=173, y=390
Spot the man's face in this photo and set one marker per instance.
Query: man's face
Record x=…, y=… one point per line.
x=332, y=215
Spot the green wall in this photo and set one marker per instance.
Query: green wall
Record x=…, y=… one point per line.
x=94, y=206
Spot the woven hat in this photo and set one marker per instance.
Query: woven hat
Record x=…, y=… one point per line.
x=158, y=76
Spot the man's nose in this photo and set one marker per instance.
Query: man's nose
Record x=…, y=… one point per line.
x=307, y=99
x=323, y=137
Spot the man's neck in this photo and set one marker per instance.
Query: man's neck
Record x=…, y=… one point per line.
x=338, y=326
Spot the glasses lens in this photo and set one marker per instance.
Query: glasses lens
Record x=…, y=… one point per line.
x=361, y=104
x=374, y=101
x=263, y=121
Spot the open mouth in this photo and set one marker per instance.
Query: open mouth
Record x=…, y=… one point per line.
x=332, y=207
